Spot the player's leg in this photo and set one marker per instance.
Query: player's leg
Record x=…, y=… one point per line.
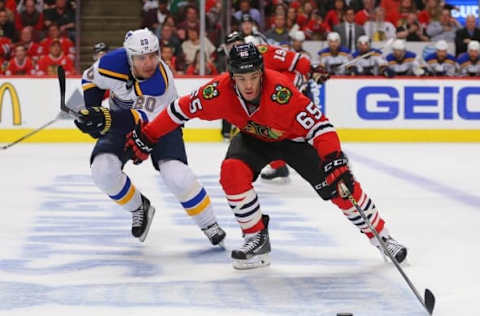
x=308, y=165
x=107, y=162
x=244, y=160
x=170, y=158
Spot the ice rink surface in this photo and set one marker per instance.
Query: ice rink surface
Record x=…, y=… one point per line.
x=67, y=248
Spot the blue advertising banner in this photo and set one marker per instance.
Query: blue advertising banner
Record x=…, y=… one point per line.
x=463, y=9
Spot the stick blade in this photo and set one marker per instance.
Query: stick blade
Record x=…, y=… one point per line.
x=429, y=301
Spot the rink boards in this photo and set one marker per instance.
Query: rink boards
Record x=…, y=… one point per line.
x=362, y=109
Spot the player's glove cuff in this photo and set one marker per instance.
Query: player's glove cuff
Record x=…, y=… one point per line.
x=335, y=168
x=139, y=145
x=95, y=121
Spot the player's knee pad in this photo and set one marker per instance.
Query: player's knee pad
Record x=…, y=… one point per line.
x=106, y=170
x=235, y=176
x=178, y=177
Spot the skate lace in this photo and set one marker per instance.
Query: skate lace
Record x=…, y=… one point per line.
x=393, y=247
x=137, y=218
x=252, y=243
x=212, y=231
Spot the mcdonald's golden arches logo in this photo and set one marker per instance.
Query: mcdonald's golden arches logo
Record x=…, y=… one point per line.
x=16, y=112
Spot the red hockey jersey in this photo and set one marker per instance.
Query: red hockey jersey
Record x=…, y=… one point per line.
x=68, y=47
x=16, y=68
x=283, y=113
x=47, y=65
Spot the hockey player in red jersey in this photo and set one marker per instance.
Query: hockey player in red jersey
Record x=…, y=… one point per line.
x=276, y=122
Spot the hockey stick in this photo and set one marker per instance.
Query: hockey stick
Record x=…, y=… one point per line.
x=356, y=59
x=63, y=107
x=429, y=302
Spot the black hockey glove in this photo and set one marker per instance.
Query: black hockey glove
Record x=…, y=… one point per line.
x=95, y=121
x=319, y=74
x=138, y=145
x=335, y=167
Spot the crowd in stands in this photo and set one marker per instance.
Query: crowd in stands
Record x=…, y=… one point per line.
x=36, y=36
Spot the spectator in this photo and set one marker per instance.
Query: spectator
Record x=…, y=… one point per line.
x=441, y=63
x=192, y=44
x=315, y=28
x=279, y=32
x=191, y=22
x=300, y=19
x=335, y=15
x=20, y=64
x=444, y=29
x=432, y=12
x=62, y=16
x=215, y=22
x=364, y=15
x=245, y=8
x=304, y=14
x=10, y=13
x=349, y=31
x=34, y=50
x=292, y=25
x=155, y=17
x=38, y=6
x=401, y=61
x=372, y=65
x=7, y=28
x=5, y=48
x=194, y=68
x=247, y=28
x=379, y=30
x=398, y=17
x=47, y=65
x=279, y=9
x=54, y=34
x=297, y=44
x=410, y=30
x=334, y=56
x=465, y=35
x=390, y=7
x=167, y=54
x=469, y=61
x=29, y=17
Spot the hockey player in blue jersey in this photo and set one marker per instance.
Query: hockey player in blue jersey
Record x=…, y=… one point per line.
x=334, y=56
x=141, y=85
x=372, y=65
x=469, y=61
x=441, y=63
x=402, y=61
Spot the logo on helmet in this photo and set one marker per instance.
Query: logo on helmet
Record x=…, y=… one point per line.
x=281, y=95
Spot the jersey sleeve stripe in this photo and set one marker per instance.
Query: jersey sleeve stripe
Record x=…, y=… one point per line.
x=138, y=90
x=318, y=129
x=294, y=62
x=143, y=115
x=136, y=116
x=87, y=86
x=175, y=115
x=112, y=74
x=164, y=74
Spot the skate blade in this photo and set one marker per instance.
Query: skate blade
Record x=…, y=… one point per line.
x=280, y=180
x=258, y=261
x=151, y=213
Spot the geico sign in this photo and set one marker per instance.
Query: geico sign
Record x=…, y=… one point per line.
x=15, y=102
x=415, y=105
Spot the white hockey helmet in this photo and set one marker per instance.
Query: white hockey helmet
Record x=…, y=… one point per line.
x=364, y=39
x=399, y=44
x=441, y=45
x=255, y=40
x=474, y=45
x=298, y=36
x=333, y=36
x=140, y=42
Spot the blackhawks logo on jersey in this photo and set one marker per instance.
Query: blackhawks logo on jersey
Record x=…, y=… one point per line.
x=262, y=48
x=261, y=130
x=282, y=94
x=211, y=91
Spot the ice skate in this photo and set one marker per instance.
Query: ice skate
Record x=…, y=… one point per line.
x=215, y=234
x=255, y=251
x=280, y=175
x=397, y=250
x=142, y=219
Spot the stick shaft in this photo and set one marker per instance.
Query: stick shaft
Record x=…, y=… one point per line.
x=31, y=133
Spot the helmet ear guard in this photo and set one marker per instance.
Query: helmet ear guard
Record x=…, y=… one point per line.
x=244, y=58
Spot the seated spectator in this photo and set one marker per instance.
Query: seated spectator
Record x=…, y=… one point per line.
x=5, y=48
x=10, y=12
x=372, y=65
x=469, y=62
x=349, y=31
x=291, y=23
x=441, y=63
x=304, y=13
x=335, y=15
x=279, y=32
x=379, y=30
x=7, y=28
x=297, y=44
x=245, y=8
x=401, y=61
x=54, y=34
x=334, y=56
x=155, y=17
x=38, y=6
x=248, y=28
x=432, y=12
x=20, y=64
x=315, y=29
x=194, y=68
x=362, y=16
x=169, y=58
x=192, y=44
x=410, y=30
x=191, y=22
x=62, y=16
x=292, y=14
x=47, y=65
x=390, y=7
x=215, y=22
x=444, y=29
x=29, y=17
x=280, y=8
x=465, y=35
x=406, y=7
x=34, y=50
